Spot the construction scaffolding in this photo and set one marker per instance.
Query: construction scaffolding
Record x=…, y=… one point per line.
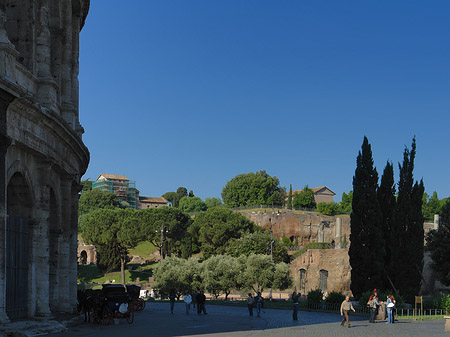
x=125, y=190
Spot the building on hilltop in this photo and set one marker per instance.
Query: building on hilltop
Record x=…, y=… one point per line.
x=151, y=202
x=42, y=156
x=321, y=194
x=121, y=186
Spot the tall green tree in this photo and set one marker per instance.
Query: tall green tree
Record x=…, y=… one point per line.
x=407, y=234
x=221, y=274
x=258, y=243
x=215, y=227
x=260, y=272
x=87, y=185
x=116, y=229
x=178, y=275
x=367, y=246
x=431, y=206
x=96, y=199
x=304, y=199
x=170, y=197
x=213, y=202
x=289, y=201
x=345, y=206
x=386, y=200
x=438, y=244
x=252, y=189
x=166, y=228
x=192, y=204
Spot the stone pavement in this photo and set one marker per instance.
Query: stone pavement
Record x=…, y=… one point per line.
x=222, y=321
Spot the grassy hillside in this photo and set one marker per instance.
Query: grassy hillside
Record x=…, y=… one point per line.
x=91, y=273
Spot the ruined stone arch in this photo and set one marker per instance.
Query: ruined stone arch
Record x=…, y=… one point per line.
x=18, y=168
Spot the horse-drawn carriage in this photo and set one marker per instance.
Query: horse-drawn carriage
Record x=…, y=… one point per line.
x=112, y=302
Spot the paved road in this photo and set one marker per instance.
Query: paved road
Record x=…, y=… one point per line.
x=156, y=320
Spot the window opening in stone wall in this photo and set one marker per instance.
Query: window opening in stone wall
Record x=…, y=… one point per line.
x=323, y=280
x=302, y=279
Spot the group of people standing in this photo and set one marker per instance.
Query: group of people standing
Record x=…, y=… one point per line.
x=257, y=302
x=198, y=299
x=374, y=305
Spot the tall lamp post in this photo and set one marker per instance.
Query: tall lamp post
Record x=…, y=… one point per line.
x=161, y=246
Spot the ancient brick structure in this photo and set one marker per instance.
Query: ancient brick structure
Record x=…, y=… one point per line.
x=42, y=156
x=328, y=269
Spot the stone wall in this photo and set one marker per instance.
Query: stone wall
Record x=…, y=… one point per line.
x=335, y=262
x=42, y=156
x=307, y=226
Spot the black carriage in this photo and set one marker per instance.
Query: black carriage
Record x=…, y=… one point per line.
x=115, y=304
x=136, y=303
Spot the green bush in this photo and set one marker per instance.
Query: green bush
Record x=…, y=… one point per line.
x=335, y=297
x=315, y=296
x=327, y=208
x=444, y=301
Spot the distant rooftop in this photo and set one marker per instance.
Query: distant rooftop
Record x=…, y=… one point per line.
x=160, y=200
x=112, y=177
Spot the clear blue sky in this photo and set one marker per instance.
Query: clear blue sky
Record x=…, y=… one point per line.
x=193, y=92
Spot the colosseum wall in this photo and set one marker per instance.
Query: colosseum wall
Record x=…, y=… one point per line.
x=42, y=155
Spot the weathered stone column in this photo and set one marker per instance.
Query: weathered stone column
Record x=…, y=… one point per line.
x=5, y=141
x=436, y=222
x=47, y=91
x=63, y=303
x=40, y=243
x=73, y=261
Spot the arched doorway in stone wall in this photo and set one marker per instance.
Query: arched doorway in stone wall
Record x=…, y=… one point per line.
x=83, y=257
x=54, y=237
x=302, y=280
x=18, y=245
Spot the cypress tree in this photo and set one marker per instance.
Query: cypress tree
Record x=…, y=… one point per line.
x=386, y=200
x=367, y=246
x=289, y=202
x=407, y=236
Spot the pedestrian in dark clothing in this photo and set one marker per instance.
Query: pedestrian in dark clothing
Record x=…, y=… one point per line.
x=172, y=298
x=250, y=302
x=373, y=305
x=295, y=298
x=259, y=303
x=201, y=300
x=194, y=299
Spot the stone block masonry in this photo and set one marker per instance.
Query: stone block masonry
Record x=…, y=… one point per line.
x=42, y=156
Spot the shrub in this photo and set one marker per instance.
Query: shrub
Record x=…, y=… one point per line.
x=335, y=297
x=444, y=301
x=327, y=208
x=315, y=296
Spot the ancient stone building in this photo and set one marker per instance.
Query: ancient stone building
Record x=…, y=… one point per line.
x=328, y=267
x=42, y=156
x=87, y=254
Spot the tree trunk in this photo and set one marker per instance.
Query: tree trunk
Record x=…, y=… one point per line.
x=122, y=269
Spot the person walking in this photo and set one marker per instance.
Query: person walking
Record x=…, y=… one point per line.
x=346, y=306
x=259, y=303
x=201, y=300
x=172, y=298
x=295, y=298
x=250, y=302
x=187, y=300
